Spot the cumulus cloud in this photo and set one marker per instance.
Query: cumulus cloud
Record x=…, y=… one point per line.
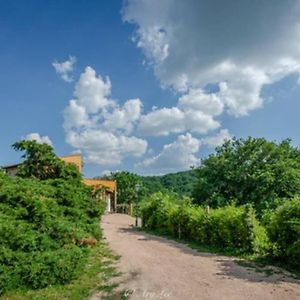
x=197, y=99
x=218, y=139
x=34, y=136
x=92, y=91
x=153, y=42
x=98, y=125
x=215, y=55
x=177, y=156
x=162, y=122
x=124, y=117
x=195, y=113
x=240, y=46
x=65, y=69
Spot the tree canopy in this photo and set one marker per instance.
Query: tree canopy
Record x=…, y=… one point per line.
x=251, y=170
x=126, y=185
x=41, y=162
x=181, y=183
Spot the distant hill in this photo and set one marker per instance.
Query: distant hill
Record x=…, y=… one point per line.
x=181, y=183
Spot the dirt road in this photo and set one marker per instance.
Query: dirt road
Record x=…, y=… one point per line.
x=157, y=268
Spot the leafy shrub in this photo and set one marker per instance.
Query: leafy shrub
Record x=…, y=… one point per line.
x=231, y=227
x=155, y=211
x=40, y=224
x=284, y=231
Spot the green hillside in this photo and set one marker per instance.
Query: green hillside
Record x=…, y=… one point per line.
x=181, y=183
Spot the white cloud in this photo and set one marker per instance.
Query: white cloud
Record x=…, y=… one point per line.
x=99, y=126
x=65, y=69
x=197, y=99
x=38, y=138
x=92, y=91
x=217, y=139
x=162, y=122
x=235, y=48
x=124, y=117
x=106, y=173
x=177, y=156
x=239, y=45
x=153, y=42
x=195, y=114
x=105, y=148
x=197, y=121
x=75, y=116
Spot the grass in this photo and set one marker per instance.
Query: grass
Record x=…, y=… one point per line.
x=260, y=264
x=95, y=279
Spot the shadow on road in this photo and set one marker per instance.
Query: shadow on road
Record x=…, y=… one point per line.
x=228, y=267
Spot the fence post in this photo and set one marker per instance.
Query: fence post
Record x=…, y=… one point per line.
x=179, y=231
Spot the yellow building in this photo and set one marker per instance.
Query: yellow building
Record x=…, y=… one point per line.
x=74, y=159
x=109, y=187
x=109, y=191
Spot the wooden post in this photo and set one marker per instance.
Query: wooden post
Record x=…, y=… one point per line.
x=179, y=231
x=131, y=210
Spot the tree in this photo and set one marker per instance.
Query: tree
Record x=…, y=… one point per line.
x=41, y=162
x=181, y=183
x=249, y=170
x=126, y=184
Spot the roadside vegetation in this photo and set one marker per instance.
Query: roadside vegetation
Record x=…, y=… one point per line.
x=180, y=183
x=232, y=229
x=49, y=229
x=245, y=200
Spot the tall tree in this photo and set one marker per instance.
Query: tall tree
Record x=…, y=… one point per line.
x=127, y=184
x=41, y=162
x=251, y=170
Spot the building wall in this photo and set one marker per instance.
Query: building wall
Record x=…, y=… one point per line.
x=110, y=192
x=12, y=171
x=74, y=159
x=109, y=184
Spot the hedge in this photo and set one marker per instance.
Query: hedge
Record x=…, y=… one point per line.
x=229, y=228
x=284, y=232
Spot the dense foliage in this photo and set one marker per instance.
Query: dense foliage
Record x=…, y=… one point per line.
x=249, y=171
x=181, y=183
x=129, y=186
x=283, y=227
x=232, y=228
x=45, y=225
x=42, y=163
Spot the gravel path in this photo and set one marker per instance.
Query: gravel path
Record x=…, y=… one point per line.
x=157, y=268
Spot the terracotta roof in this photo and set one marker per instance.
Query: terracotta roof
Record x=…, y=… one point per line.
x=110, y=184
x=10, y=166
x=73, y=158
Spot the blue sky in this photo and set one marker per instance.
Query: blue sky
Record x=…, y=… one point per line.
x=183, y=76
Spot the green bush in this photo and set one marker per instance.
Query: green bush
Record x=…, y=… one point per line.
x=251, y=170
x=41, y=223
x=230, y=227
x=155, y=211
x=284, y=231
